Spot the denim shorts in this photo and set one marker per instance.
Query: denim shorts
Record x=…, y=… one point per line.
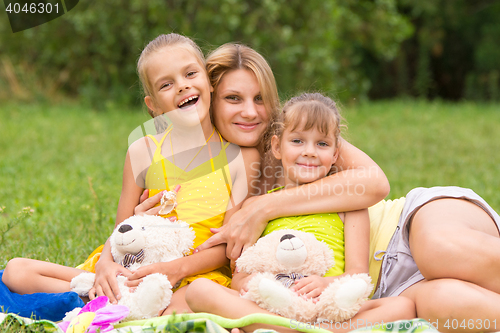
x=399, y=271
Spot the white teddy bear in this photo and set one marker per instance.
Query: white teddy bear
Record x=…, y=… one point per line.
x=140, y=241
x=284, y=256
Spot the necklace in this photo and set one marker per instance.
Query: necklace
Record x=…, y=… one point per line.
x=172, y=149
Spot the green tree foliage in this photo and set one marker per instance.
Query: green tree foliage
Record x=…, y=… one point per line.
x=453, y=53
x=92, y=50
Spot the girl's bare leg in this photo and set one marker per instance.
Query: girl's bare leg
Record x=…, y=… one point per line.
x=206, y=296
x=27, y=276
x=455, y=305
x=454, y=238
x=178, y=303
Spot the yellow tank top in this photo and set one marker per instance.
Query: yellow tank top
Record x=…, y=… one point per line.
x=202, y=200
x=204, y=192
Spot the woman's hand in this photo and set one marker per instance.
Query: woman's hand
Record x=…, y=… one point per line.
x=147, y=205
x=311, y=286
x=105, y=280
x=242, y=231
x=171, y=269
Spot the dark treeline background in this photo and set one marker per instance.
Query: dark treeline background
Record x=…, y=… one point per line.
x=448, y=49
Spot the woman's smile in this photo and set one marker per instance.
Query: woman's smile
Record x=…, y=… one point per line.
x=247, y=126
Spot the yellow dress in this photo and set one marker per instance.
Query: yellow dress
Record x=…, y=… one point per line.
x=202, y=199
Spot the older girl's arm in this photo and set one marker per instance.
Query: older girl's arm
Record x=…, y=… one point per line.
x=176, y=270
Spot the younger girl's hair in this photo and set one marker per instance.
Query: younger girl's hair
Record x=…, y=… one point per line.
x=232, y=56
x=307, y=111
x=156, y=45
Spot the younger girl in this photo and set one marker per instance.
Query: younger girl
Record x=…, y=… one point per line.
x=306, y=142
x=190, y=153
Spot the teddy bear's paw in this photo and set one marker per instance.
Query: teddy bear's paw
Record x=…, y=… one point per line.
x=82, y=283
x=274, y=294
x=350, y=293
x=343, y=298
x=153, y=294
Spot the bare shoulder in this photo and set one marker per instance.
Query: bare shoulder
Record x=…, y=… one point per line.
x=142, y=146
x=235, y=152
x=140, y=154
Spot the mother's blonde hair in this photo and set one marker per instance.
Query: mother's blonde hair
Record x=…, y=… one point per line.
x=232, y=56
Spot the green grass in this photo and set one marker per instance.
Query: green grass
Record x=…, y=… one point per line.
x=65, y=162
x=49, y=156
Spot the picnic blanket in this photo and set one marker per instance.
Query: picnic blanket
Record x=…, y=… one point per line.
x=51, y=306
x=204, y=322
x=43, y=310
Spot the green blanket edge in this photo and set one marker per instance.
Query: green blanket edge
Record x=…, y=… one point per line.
x=210, y=323
x=160, y=324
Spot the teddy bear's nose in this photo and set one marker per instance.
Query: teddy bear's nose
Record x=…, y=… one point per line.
x=124, y=228
x=287, y=236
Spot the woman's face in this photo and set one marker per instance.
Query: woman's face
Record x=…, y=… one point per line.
x=238, y=108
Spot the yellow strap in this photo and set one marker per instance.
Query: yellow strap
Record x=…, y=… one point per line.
x=164, y=173
x=157, y=154
x=153, y=138
x=169, y=128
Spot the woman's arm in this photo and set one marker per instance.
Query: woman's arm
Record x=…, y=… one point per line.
x=356, y=249
x=358, y=184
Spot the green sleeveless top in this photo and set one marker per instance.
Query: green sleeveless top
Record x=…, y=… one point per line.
x=327, y=227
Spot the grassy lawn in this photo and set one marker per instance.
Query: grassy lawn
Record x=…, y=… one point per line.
x=65, y=162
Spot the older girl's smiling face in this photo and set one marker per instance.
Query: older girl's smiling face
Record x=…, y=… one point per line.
x=238, y=109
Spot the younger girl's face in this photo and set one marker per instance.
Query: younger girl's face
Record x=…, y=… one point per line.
x=238, y=109
x=179, y=82
x=306, y=156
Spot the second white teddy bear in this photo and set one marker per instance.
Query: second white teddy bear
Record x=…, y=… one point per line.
x=284, y=256
x=140, y=241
